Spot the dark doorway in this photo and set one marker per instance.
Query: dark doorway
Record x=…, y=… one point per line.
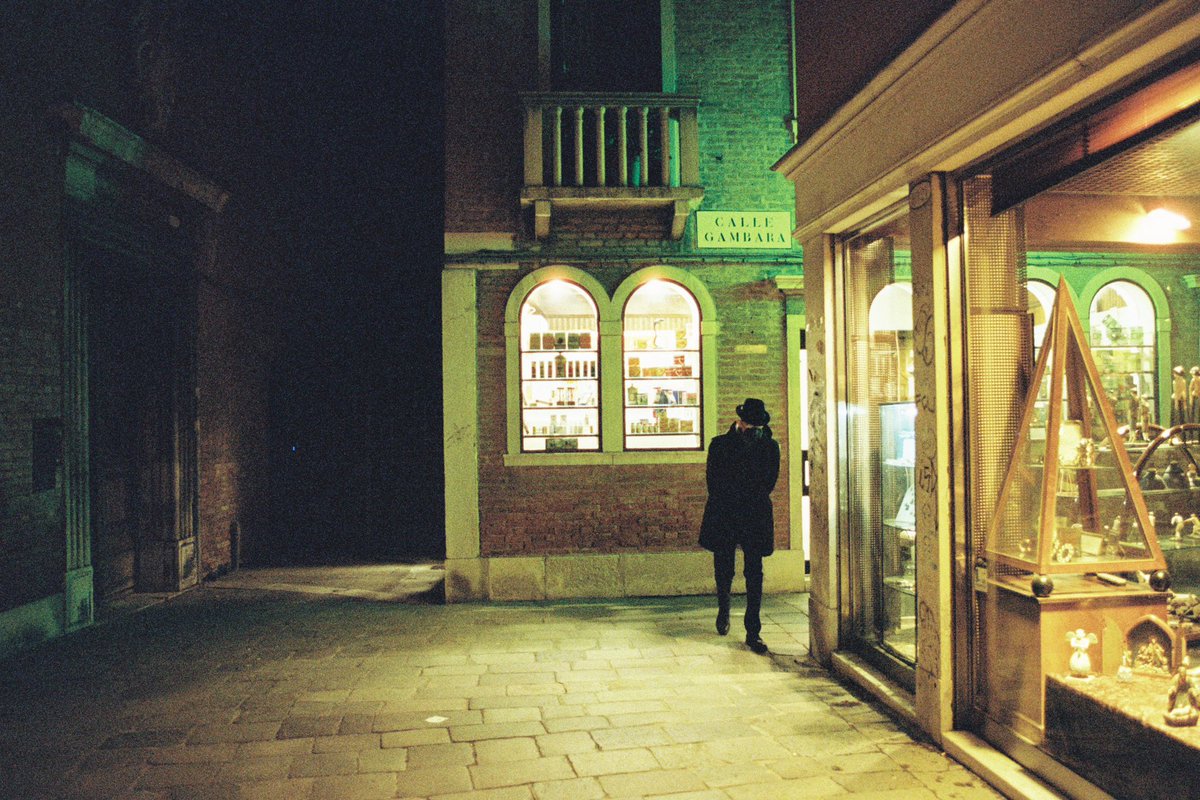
x=131, y=355
x=606, y=46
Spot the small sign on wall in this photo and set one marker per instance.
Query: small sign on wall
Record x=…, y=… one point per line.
x=753, y=230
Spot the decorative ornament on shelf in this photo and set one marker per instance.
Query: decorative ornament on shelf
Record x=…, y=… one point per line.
x=1080, y=663
x=1125, y=671
x=1183, y=698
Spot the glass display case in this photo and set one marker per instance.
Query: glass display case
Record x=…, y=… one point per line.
x=1070, y=538
x=897, y=458
x=560, y=370
x=662, y=369
x=1070, y=505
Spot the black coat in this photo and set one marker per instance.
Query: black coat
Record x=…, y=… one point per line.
x=742, y=470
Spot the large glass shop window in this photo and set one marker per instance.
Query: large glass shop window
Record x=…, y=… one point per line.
x=560, y=370
x=662, y=368
x=1122, y=337
x=880, y=441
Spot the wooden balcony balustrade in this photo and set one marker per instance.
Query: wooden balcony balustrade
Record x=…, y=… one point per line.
x=634, y=150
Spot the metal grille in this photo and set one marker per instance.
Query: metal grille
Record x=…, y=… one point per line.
x=999, y=334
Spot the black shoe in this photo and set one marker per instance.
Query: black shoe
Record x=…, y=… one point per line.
x=722, y=621
x=755, y=643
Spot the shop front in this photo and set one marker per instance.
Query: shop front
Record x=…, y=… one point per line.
x=1006, y=516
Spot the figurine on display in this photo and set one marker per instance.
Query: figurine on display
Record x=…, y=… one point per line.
x=1177, y=522
x=1179, y=396
x=1151, y=656
x=1173, y=477
x=1184, y=606
x=1080, y=663
x=1085, y=455
x=1130, y=411
x=1183, y=699
x=1118, y=528
x=1125, y=671
x=1194, y=396
x=1193, y=476
x=1150, y=480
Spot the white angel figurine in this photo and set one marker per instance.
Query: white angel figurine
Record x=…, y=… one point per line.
x=1080, y=663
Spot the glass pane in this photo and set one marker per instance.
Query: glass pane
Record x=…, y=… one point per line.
x=662, y=368
x=560, y=341
x=880, y=442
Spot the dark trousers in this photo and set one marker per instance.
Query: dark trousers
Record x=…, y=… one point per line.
x=723, y=572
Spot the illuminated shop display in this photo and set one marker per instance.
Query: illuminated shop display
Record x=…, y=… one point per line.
x=1122, y=323
x=560, y=371
x=662, y=380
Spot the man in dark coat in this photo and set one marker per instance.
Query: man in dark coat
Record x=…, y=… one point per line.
x=743, y=465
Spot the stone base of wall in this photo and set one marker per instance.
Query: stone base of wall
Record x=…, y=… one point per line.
x=563, y=577
x=30, y=624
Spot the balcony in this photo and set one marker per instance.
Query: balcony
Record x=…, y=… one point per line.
x=612, y=151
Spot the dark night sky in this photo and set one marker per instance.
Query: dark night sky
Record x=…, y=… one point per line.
x=337, y=114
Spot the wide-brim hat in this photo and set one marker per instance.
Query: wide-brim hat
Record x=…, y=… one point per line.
x=753, y=412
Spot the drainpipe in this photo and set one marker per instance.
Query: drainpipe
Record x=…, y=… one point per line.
x=793, y=120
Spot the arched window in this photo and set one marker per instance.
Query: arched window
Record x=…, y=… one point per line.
x=662, y=380
x=890, y=326
x=560, y=370
x=1041, y=303
x=1123, y=325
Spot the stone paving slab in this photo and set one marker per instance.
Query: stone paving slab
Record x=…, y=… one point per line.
x=254, y=689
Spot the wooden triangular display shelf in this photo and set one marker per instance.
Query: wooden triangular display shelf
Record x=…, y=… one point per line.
x=1080, y=511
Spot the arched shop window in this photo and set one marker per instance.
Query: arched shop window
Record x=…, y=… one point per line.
x=1122, y=324
x=890, y=326
x=560, y=369
x=1041, y=303
x=662, y=368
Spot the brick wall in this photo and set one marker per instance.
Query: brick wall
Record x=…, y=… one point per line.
x=607, y=509
x=735, y=60
x=237, y=331
x=31, y=543
x=89, y=59
x=491, y=55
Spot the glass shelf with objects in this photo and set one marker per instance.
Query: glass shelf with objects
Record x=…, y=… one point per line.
x=559, y=370
x=1070, y=511
x=662, y=369
x=1168, y=473
x=897, y=498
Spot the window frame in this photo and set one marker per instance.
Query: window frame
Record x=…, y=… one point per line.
x=525, y=350
x=611, y=363
x=699, y=350
x=1162, y=323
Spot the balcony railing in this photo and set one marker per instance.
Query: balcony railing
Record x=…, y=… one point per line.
x=628, y=149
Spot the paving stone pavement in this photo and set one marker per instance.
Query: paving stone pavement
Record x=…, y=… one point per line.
x=237, y=692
